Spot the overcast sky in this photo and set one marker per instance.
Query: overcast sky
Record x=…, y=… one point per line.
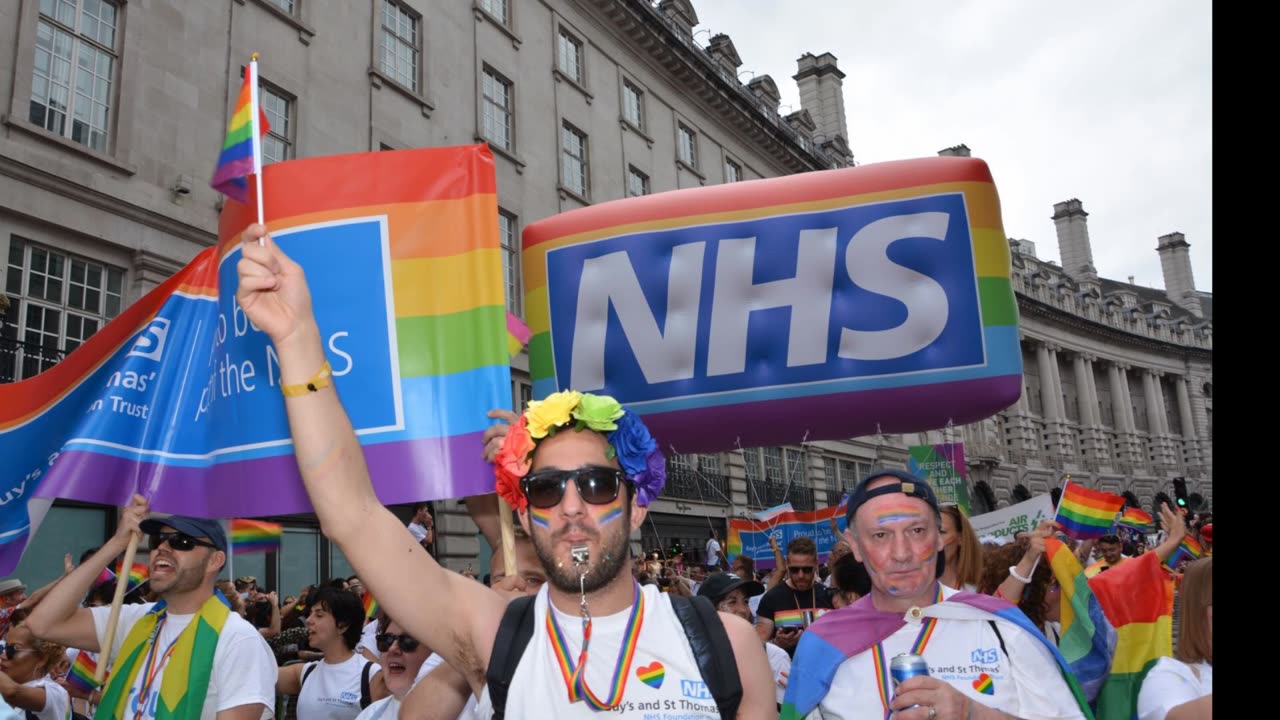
x=1108, y=102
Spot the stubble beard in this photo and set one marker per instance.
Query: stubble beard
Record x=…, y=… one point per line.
x=600, y=571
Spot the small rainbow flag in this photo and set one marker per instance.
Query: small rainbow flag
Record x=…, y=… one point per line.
x=81, y=673
x=517, y=334
x=1085, y=514
x=1136, y=519
x=370, y=606
x=137, y=575
x=241, y=154
x=105, y=576
x=775, y=511
x=1190, y=549
x=250, y=536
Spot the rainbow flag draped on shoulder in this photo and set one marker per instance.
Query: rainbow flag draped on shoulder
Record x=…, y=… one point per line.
x=178, y=398
x=1085, y=513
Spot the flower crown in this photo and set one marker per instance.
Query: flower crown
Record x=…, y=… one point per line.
x=629, y=441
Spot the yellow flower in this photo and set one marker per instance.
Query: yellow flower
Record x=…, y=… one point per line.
x=554, y=411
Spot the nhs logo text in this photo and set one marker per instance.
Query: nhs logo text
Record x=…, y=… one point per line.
x=856, y=292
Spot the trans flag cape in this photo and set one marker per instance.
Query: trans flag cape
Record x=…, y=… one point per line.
x=851, y=631
x=177, y=398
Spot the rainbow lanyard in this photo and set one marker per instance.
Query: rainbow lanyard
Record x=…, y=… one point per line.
x=153, y=668
x=883, y=679
x=575, y=678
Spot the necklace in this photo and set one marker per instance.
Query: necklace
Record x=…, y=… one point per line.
x=574, y=674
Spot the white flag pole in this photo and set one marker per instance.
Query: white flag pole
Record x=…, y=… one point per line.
x=255, y=118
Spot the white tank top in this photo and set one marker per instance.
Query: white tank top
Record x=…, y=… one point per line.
x=663, y=681
x=332, y=692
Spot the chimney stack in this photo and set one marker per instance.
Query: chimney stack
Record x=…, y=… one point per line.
x=766, y=91
x=960, y=150
x=822, y=94
x=724, y=53
x=1175, y=261
x=1073, y=240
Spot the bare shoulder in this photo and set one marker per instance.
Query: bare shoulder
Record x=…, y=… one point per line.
x=742, y=635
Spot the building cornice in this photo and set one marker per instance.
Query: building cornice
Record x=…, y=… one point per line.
x=1034, y=308
x=35, y=177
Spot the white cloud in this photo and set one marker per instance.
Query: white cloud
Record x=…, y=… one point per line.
x=1105, y=102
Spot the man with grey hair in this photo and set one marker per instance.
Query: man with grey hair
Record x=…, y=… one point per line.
x=985, y=660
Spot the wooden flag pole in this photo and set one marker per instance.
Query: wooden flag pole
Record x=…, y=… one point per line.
x=122, y=584
x=508, y=538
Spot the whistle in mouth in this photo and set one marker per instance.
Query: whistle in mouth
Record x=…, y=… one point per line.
x=580, y=554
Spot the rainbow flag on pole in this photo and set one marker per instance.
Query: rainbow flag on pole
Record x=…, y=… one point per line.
x=81, y=673
x=136, y=576
x=250, y=536
x=1088, y=639
x=241, y=154
x=1137, y=598
x=370, y=606
x=1085, y=513
x=1135, y=519
x=1190, y=549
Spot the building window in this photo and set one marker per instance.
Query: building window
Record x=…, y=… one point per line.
x=637, y=182
x=573, y=159
x=570, y=56
x=277, y=144
x=497, y=9
x=497, y=109
x=56, y=302
x=508, y=236
x=400, y=45
x=75, y=62
x=732, y=171
x=287, y=6
x=633, y=105
x=688, y=146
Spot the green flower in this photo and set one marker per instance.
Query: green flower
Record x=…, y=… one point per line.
x=598, y=412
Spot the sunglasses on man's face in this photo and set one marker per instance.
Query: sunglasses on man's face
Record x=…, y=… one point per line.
x=596, y=484
x=802, y=569
x=11, y=651
x=181, y=542
x=386, y=640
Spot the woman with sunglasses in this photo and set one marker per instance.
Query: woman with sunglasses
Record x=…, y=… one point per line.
x=342, y=683
x=25, y=680
x=402, y=657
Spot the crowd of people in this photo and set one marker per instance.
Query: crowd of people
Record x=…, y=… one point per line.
x=580, y=627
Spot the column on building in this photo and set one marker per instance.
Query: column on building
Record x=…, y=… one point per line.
x=1122, y=412
x=1019, y=429
x=1093, y=441
x=1051, y=398
x=1157, y=423
x=1200, y=413
x=1189, y=434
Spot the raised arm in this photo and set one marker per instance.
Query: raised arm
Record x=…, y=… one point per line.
x=1174, y=524
x=408, y=583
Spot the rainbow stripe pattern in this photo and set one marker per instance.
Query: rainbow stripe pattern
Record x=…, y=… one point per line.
x=1088, y=639
x=81, y=673
x=1190, y=549
x=105, y=576
x=652, y=674
x=235, y=161
x=136, y=576
x=1136, y=519
x=574, y=674
x=370, y=606
x=759, y=399
x=251, y=536
x=517, y=334
x=540, y=516
x=1085, y=513
x=984, y=685
x=407, y=237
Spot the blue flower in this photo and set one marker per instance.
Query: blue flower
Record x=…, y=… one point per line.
x=633, y=444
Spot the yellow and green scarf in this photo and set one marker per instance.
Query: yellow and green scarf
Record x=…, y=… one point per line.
x=186, y=675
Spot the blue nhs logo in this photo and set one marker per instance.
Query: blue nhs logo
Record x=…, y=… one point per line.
x=863, y=291
x=695, y=690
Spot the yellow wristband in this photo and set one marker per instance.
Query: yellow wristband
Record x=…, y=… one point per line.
x=322, y=379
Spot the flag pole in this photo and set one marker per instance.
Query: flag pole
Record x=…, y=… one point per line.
x=122, y=583
x=256, y=141
x=1056, y=510
x=507, y=526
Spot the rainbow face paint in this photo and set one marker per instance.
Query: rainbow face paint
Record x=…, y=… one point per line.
x=607, y=514
x=897, y=513
x=540, y=517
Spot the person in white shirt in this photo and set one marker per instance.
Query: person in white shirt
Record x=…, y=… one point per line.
x=343, y=683
x=422, y=526
x=186, y=555
x=25, y=681
x=1181, y=687
x=402, y=657
x=713, y=551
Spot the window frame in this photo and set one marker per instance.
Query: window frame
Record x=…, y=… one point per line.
x=266, y=87
x=418, y=86
x=634, y=172
x=628, y=88
x=509, y=85
x=511, y=251
x=503, y=20
x=683, y=128
x=565, y=34
x=584, y=160
x=730, y=163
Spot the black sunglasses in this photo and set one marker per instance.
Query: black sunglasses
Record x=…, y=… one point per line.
x=386, y=640
x=11, y=651
x=179, y=541
x=801, y=569
x=596, y=484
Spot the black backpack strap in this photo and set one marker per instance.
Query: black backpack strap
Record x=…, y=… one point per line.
x=366, y=696
x=508, y=646
x=1000, y=637
x=306, y=672
x=712, y=650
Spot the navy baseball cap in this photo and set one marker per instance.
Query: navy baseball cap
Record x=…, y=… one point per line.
x=908, y=484
x=718, y=586
x=195, y=527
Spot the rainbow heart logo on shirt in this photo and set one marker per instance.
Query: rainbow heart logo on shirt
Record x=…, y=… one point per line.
x=652, y=674
x=984, y=685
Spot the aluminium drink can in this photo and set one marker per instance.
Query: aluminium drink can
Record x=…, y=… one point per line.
x=907, y=665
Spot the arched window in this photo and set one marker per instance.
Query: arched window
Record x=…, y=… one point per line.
x=1021, y=493
x=984, y=500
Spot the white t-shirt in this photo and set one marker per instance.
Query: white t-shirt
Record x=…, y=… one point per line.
x=967, y=655
x=57, y=703
x=369, y=639
x=664, y=679
x=419, y=532
x=1171, y=683
x=713, y=552
x=779, y=662
x=244, y=668
x=332, y=691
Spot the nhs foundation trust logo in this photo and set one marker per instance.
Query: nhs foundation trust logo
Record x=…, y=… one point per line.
x=865, y=291
x=695, y=690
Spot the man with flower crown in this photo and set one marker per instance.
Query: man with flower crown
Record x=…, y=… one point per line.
x=581, y=470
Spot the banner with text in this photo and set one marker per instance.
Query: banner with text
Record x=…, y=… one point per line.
x=177, y=398
x=752, y=536
x=943, y=466
x=1008, y=522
